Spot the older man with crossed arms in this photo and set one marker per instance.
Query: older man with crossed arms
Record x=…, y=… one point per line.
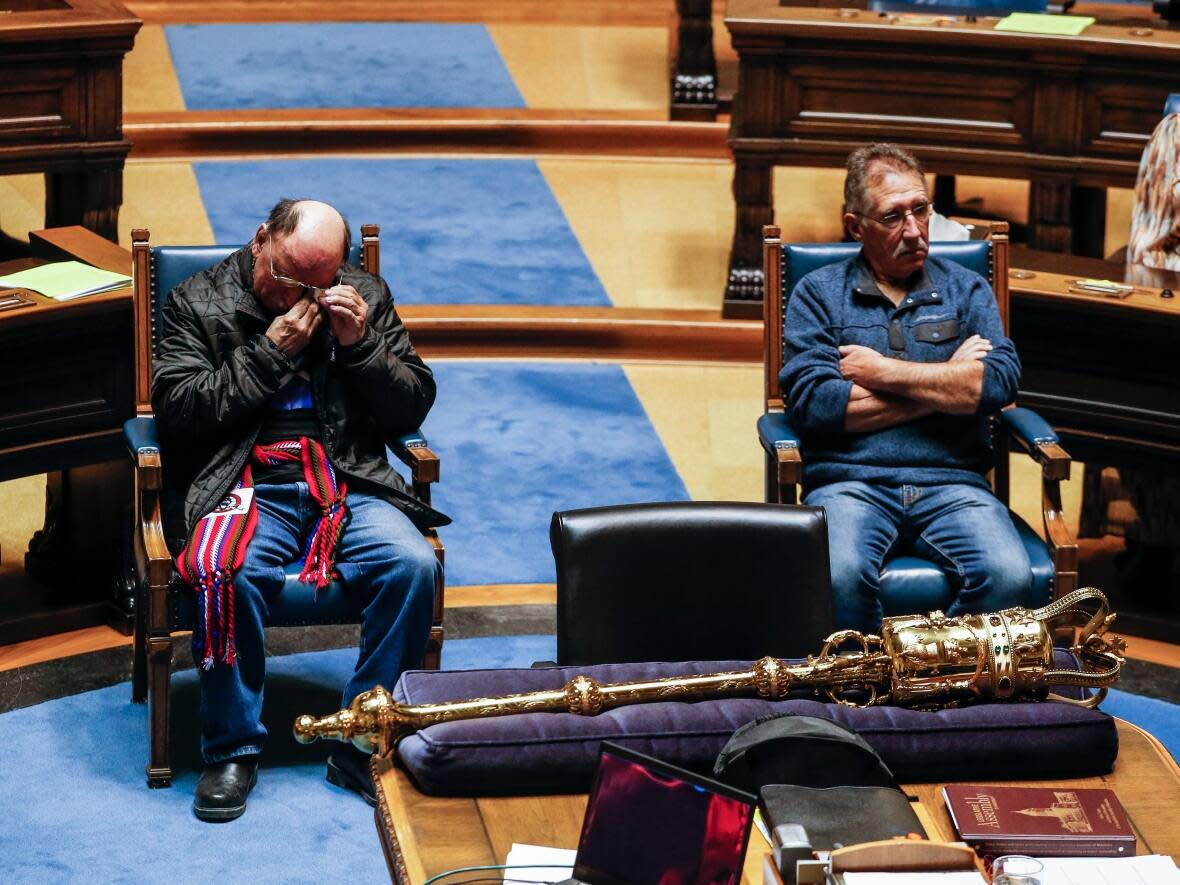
x=894, y=361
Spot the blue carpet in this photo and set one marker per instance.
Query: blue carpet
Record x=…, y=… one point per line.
x=1159, y=717
x=452, y=231
x=75, y=806
x=521, y=440
x=339, y=65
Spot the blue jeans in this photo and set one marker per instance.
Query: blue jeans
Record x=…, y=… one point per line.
x=963, y=529
x=382, y=559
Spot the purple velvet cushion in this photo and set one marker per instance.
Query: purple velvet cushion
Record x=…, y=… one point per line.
x=557, y=752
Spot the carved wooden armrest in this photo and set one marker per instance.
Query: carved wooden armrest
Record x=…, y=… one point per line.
x=1038, y=440
x=423, y=463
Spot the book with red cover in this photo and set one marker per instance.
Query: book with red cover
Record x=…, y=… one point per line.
x=1041, y=821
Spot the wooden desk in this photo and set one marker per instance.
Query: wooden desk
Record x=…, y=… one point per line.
x=61, y=104
x=1095, y=367
x=424, y=835
x=1070, y=114
x=66, y=387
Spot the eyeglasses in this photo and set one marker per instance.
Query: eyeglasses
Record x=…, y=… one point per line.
x=313, y=291
x=894, y=220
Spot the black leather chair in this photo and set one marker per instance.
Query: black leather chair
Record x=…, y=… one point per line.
x=163, y=603
x=690, y=581
x=909, y=584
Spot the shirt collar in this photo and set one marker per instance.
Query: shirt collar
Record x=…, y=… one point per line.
x=920, y=287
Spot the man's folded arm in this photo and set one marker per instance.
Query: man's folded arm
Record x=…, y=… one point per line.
x=869, y=411
x=814, y=393
x=817, y=396
x=953, y=387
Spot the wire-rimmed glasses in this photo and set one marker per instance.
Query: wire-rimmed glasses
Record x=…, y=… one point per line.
x=894, y=220
x=314, y=291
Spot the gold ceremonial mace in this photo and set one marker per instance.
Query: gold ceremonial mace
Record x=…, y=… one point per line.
x=918, y=661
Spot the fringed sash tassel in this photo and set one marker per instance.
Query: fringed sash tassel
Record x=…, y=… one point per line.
x=217, y=548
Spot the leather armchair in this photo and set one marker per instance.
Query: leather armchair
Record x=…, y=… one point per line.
x=910, y=584
x=690, y=581
x=163, y=603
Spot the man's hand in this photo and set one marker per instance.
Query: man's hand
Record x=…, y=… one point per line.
x=974, y=348
x=347, y=313
x=291, y=331
x=863, y=365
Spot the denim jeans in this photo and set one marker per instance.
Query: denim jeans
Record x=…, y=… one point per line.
x=964, y=529
x=382, y=559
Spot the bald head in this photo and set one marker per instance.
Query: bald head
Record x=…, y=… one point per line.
x=302, y=240
x=311, y=225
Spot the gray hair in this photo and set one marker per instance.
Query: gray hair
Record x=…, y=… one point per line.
x=285, y=217
x=860, y=164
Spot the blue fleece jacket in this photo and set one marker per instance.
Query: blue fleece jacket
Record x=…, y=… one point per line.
x=841, y=304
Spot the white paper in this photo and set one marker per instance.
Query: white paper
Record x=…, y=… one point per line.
x=959, y=877
x=1150, y=869
x=561, y=860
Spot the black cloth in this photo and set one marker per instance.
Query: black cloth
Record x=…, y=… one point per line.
x=215, y=369
x=836, y=816
x=278, y=426
x=805, y=750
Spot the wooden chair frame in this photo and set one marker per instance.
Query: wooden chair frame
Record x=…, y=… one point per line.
x=153, y=635
x=784, y=469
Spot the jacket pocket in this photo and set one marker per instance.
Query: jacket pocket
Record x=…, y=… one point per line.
x=936, y=331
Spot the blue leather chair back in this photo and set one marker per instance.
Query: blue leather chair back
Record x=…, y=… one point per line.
x=172, y=265
x=800, y=259
x=1172, y=105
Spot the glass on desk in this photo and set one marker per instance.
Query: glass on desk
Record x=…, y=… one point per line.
x=1016, y=869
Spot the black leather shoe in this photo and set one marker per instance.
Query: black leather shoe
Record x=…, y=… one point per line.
x=222, y=790
x=348, y=767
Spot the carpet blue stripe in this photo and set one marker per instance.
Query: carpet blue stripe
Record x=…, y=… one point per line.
x=519, y=441
x=340, y=65
x=1161, y=718
x=452, y=231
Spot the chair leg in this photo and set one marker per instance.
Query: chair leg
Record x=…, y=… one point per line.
x=771, y=477
x=139, y=670
x=159, y=655
x=432, y=657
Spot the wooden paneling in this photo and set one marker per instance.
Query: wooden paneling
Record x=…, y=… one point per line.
x=68, y=376
x=41, y=101
x=926, y=105
x=61, y=105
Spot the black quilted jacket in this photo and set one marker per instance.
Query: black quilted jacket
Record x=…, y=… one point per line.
x=214, y=369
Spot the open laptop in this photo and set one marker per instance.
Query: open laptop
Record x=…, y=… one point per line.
x=651, y=823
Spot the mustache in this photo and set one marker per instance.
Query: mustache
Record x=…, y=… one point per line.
x=903, y=247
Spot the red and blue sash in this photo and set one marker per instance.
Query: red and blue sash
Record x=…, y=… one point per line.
x=218, y=544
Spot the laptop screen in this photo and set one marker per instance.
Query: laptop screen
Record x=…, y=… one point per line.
x=651, y=823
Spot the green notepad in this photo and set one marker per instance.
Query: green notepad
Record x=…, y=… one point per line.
x=1039, y=23
x=63, y=280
